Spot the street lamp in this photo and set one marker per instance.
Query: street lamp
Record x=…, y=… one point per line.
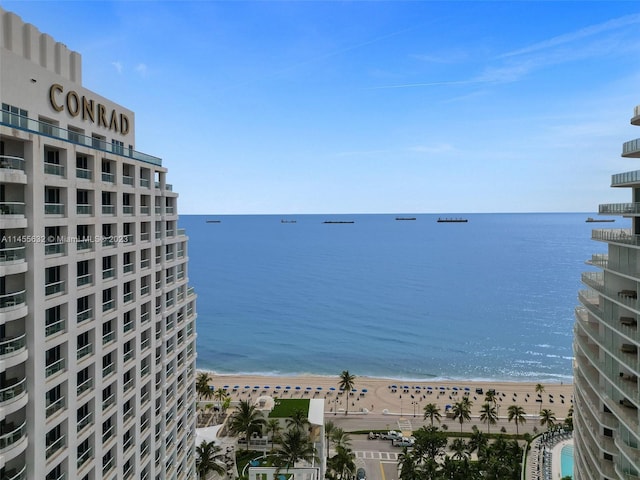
x=401, y=405
x=414, y=403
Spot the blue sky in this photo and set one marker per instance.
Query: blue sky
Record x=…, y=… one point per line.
x=368, y=107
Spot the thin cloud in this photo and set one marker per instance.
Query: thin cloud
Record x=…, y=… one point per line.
x=117, y=66
x=142, y=69
x=577, y=35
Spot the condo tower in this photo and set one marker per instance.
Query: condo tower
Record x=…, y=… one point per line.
x=607, y=366
x=97, y=321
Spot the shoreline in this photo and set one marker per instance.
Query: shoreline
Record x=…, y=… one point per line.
x=392, y=396
x=557, y=379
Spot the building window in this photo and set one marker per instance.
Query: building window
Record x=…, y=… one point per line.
x=14, y=116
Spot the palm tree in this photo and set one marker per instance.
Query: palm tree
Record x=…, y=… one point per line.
x=273, y=427
x=407, y=465
x=478, y=442
x=207, y=456
x=202, y=385
x=460, y=449
x=295, y=446
x=462, y=411
x=488, y=415
x=246, y=419
x=516, y=412
x=540, y=391
x=346, y=383
x=220, y=395
x=298, y=419
x=340, y=438
x=547, y=418
x=490, y=397
x=343, y=463
x=432, y=411
x=329, y=428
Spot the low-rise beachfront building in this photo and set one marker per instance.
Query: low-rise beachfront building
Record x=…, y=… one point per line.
x=606, y=344
x=97, y=321
x=282, y=409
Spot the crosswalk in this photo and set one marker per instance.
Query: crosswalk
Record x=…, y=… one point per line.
x=368, y=455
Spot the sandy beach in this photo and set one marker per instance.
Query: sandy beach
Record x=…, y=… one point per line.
x=398, y=397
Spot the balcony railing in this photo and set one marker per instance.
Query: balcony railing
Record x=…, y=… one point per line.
x=619, y=208
x=55, y=327
x=84, y=209
x=108, y=209
x=127, y=209
x=14, y=474
x=12, y=254
x=13, y=345
x=12, y=208
x=617, y=235
x=54, y=208
x=85, y=421
x=55, y=406
x=84, y=351
x=54, y=169
x=85, y=280
x=54, y=287
x=631, y=148
x=8, y=162
x=12, y=391
x=55, y=367
x=55, y=446
x=83, y=173
x=625, y=178
x=127, y=180
x=84, y=386
x=85, y=315
x=85, y=456
x=54, y=248
x=13, y=436
x=108, y=402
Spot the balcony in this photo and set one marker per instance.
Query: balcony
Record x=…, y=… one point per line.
x=55, y=327
x=15, y=389
x=84, y=280
x=615, y=235
x=108, y=370
x=12, y=300
x=54, y=169
x=85, y=386
x=86, y=421
x=127, y=180
x=108, y=209
x=85, y=315
x=619, y=209
x=30, y=125
x=54, y=288
x=84, y=173
x=15, y=474
x=55, y=406
x=84, y=351
x=12, y=435
x=55, y=367
x=12, y=254
x=54, y=446
x=57, y=248
x=12, y=346
x=8, y=162
x=84, y=209
x=54, y=208
x=12, y=208
x=631, y=149
x=108, y=177
x=84, y=457
x=127, y=210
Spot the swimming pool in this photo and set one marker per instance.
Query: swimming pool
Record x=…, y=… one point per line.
x=566, y=460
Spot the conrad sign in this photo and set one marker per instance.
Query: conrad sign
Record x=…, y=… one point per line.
x=90, y=110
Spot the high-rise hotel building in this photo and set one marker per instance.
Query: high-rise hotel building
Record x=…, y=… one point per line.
x=606, y=342
x=97, y=335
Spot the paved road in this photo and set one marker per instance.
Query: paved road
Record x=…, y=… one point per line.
x=378, y=457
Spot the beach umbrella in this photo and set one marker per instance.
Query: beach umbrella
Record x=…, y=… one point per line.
x=278, y=387
x=225, y=387
x=288, y=387
x=332, y=388
x=212, y=387
x=466, y=389
x=308, y=388
x=455, y=388
x=406, y=387
x=318, y=388
x=442, y=388
x=394, y=386
x=297, y=388
x=247, y=386
x=235, y=387
x=255, y=387
x=417, y=387
x=429, y=388
x=267, y=387
x=354, y=389
x=365, y=390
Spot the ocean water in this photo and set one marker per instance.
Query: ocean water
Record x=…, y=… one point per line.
x=493, y=298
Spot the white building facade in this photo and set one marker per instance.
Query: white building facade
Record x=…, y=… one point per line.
x=97, y=321
x=606, y=342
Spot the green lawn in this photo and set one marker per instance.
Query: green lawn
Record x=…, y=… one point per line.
x=285, y=407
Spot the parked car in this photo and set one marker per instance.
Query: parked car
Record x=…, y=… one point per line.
x=403, y=442
x=391, y=435
x=360, y=474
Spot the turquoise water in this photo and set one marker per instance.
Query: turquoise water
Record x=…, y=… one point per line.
x=566, y=460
